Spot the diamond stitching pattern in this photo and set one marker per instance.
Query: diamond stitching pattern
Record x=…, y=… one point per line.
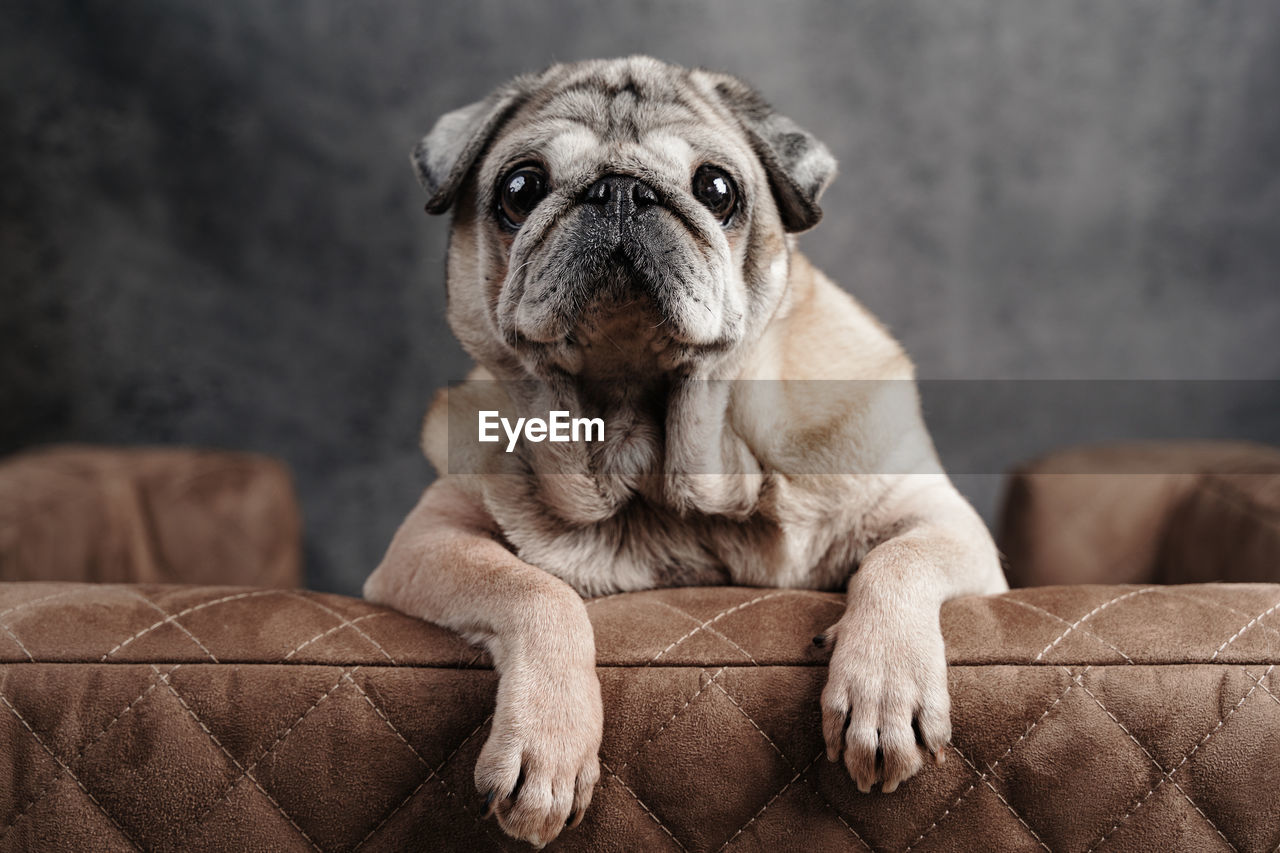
x=15, y=639
x=1094, y=612
x=173, y=620
x=168, y=618
x=1167, y=775
x=67, y=770
x=434, y=774
x=991, y=769
x=358, y=635
x=436, y=647
x=706, y=625
x=1259, y=681
x=799, y=773
x=985, y=779
x=1254, y=621
x=75, y=759
x=614, y=777
x=335, y=629
x=1084, y=631
x=345, y=623
x=245, y=773
x=1171, y=591
x=771, y=801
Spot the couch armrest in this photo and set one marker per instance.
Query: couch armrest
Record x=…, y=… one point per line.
x=1227, y=529
x=148, y=515
x=195, y=718
x=1142, y=513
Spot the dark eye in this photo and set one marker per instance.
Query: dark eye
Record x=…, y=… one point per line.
x=520, y=193
x=716, y=191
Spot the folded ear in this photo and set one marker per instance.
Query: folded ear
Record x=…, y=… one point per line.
x=799, y=166
x=447, y=154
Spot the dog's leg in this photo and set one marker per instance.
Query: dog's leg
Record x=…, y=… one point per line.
x=886, y=702
x=446, y=565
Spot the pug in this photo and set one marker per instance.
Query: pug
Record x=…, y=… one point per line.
x=623, y=247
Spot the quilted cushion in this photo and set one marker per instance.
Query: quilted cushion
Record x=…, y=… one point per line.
x=213, y=718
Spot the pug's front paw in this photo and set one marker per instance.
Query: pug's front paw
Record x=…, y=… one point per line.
x=540, y=764
x=885, y=707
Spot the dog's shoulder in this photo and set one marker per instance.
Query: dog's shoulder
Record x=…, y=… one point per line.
x=839, y=393
x=827, y=334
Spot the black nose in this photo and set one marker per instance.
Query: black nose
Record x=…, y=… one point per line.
x=623, y=191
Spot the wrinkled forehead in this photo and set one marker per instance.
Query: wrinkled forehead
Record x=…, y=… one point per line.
x=591, y=122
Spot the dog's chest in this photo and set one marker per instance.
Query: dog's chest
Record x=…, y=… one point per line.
x=803, y=531
x=646, y=547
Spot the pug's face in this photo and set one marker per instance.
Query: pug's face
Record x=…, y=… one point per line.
x=620, y=216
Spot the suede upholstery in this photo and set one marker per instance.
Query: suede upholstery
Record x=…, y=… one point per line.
x=214, y=718
x=1155, y=512
x=147, y=716
x=148, y=515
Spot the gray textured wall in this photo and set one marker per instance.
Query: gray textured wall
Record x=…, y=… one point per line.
x=209, y=233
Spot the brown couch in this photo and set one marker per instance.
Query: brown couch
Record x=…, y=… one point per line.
x=1094, y=717
x=120, y=515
